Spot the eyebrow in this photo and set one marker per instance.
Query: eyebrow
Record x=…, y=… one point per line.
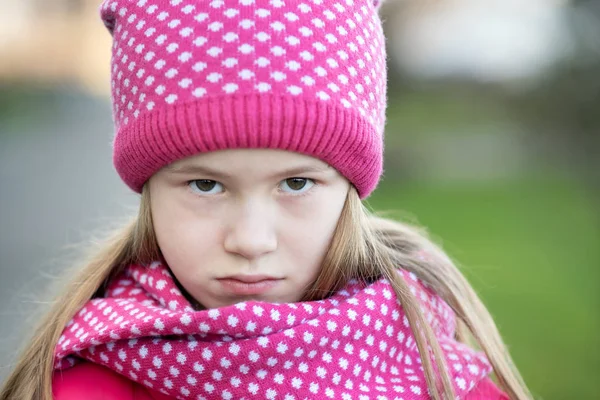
x=207, y=171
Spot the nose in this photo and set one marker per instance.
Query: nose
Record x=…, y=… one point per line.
x=251, y=232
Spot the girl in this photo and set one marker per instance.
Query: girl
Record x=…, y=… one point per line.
x=252, y=129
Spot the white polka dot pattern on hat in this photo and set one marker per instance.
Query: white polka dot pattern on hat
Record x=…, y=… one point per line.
x=354, y=345
x=168, y=52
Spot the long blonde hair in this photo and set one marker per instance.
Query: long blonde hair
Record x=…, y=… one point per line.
x=364, y=246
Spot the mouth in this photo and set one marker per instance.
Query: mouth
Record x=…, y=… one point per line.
x=244, y=285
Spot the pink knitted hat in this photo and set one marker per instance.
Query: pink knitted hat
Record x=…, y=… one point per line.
x=188, y=77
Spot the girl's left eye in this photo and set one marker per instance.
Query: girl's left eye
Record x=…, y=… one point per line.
x=296, y=185
x=205, y=186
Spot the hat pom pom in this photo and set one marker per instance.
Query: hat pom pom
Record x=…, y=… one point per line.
x=377, y=3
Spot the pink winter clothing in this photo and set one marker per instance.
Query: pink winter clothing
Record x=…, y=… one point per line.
x=94, y=382
x=307, y=76
x=355, y=343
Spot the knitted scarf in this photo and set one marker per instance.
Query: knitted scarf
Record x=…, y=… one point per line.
x=356, y=344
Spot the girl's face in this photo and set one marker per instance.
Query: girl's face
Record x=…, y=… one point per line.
x=236, y=225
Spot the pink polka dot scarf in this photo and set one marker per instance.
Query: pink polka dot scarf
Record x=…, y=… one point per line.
x=354, y=345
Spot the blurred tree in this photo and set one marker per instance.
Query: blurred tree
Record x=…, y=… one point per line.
x=559, y=109
x=563, y=108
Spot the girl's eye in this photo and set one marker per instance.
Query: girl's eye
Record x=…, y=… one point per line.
x=206, y=186
x=296, y=185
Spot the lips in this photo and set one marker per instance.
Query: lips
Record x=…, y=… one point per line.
x=250, y=278
x=245, y=285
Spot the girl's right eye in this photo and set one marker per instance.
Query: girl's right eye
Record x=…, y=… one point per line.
x=205, y=186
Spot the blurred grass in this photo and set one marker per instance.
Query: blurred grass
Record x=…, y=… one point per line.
x=531, y=250
x=434, y=112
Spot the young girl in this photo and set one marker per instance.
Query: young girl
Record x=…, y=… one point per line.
x=252, y=129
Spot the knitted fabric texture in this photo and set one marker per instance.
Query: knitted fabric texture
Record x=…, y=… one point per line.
x=356, y=344
x=188, y=77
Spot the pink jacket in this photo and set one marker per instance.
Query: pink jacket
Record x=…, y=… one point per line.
x=94, y=382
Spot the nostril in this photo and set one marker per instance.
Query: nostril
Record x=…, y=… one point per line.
x=250, y=245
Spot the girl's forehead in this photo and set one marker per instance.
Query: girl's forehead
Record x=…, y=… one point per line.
x=245, y=161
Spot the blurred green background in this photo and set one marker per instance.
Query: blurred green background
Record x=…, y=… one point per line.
x=492, y=143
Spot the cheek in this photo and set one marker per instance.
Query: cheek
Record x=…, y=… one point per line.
x=308, y=234
x=186, y=240
x=309, y=237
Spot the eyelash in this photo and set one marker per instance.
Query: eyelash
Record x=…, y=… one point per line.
x=301, y=194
